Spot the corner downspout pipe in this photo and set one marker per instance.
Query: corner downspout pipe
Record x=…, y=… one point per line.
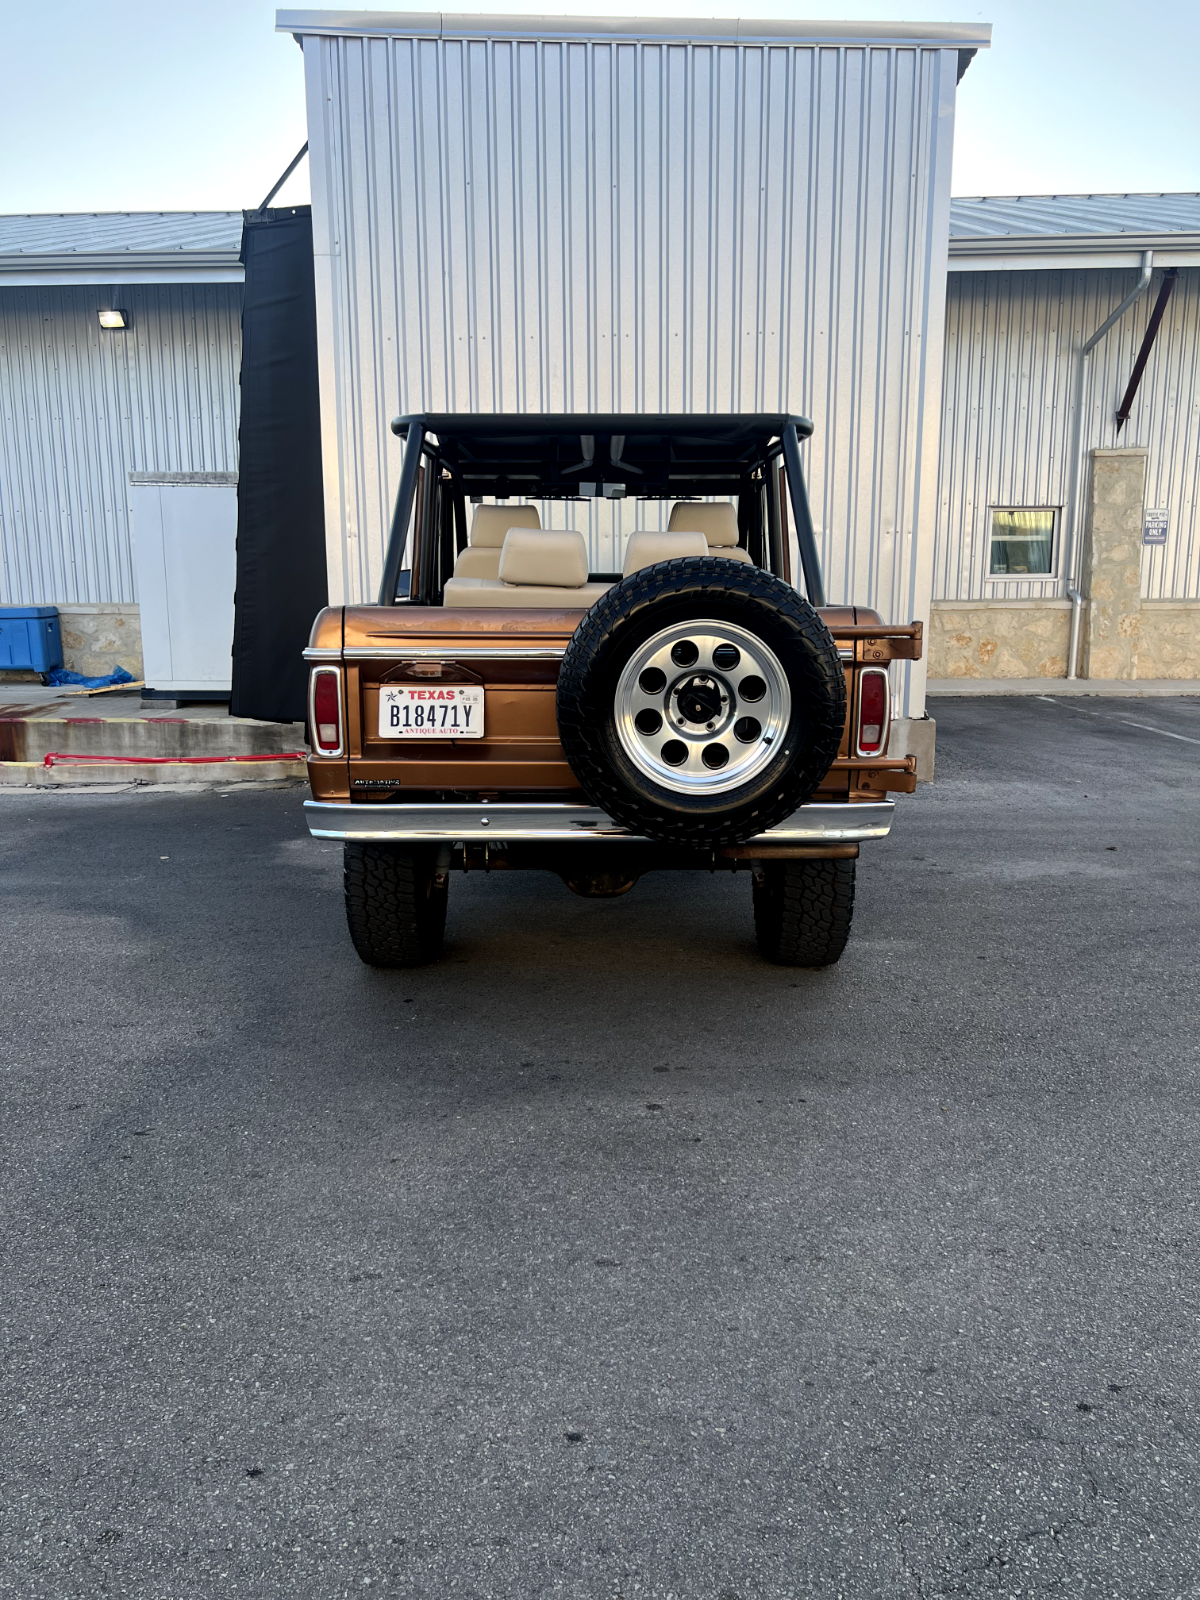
x=1076, y=599
x=1110, y=321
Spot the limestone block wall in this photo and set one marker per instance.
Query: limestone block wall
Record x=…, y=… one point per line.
x=1028, y=639
x=97, y=638
x=1112, y=564
x=999, y=639
x=1169, y=639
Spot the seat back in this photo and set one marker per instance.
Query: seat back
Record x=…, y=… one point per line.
x=545, y=568
x=717, y=521
x=545, y=558
x=648, y=546
x=481, y=558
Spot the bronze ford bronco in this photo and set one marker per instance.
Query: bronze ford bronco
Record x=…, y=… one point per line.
x=503, y=707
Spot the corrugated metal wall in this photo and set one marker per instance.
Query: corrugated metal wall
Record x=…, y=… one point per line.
x=81, y=408
x=614, y=224
x=1008, y=401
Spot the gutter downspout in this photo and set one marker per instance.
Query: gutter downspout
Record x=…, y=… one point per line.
x=1081, y=370
x=1076, y=599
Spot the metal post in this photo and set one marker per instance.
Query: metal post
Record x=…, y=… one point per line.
x=398, y=537
x=285, y=175
x=1143, y=355
x=810, y=562
x=774, y=521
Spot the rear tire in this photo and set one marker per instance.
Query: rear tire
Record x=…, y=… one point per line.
x=395, y=904
x=802, y=911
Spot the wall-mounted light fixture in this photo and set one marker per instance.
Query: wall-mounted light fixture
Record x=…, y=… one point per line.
x=113, y=319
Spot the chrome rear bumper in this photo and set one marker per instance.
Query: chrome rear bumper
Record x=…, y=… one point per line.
x=817, y=823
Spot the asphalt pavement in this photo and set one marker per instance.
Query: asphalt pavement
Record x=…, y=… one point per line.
x=603, y=1259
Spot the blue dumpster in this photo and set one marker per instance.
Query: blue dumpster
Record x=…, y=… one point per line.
x=30, y=640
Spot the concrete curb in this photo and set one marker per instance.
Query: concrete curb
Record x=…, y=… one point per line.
x=86, y=774
x=1058, y=687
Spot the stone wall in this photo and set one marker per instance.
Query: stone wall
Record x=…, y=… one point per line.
x=1123, y=638
x=999, y=639
x=1169, y=639
x=98, y=638
x=1112, y=565
x=1029, y=638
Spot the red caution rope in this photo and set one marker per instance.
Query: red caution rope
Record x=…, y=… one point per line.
x=58, y=758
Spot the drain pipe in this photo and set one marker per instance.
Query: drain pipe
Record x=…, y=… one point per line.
x=1076, y=599
x=1081, y=370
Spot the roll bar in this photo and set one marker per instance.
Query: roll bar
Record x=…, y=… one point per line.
x=810, y=561
x=398, y=535
x=414, y=443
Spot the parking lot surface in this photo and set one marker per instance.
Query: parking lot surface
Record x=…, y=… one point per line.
x=602, y=1259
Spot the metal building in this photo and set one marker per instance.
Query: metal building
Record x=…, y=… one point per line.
x=567, y=215
x=1032, y=279
x=83, y=406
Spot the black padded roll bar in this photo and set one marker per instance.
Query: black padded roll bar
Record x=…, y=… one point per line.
x=810, y=562
x=398, y=537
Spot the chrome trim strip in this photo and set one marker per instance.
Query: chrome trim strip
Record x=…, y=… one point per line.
x=450, y=652
x=820, y=822
x=322, y=653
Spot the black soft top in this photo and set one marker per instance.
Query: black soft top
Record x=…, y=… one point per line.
x=548, y=456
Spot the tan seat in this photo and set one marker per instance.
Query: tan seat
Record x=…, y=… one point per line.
x=716, y=520
x=648, y=546
x=549, y=557
x=543, y=568
x=481, y=558
x=491, y=592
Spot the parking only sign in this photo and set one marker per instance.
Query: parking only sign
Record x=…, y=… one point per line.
x=1154, y=528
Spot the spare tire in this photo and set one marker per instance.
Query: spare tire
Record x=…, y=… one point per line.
x=701, y=701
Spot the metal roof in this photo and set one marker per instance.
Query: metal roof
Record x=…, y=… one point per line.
x=1048, y=229
x=1049, y=215
x=121, y=247
x=966, y=36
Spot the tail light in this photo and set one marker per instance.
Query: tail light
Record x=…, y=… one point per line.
x=325, y=710
x=874, y=711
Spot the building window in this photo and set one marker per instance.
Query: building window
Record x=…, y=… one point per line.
x=1022, y=542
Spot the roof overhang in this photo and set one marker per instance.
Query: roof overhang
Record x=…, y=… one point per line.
x=37, y=270
x=959, y=36
x=1069, y=252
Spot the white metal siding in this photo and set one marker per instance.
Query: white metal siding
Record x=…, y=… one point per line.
x=82, y=407
x=1011, y=345
x=611, y=224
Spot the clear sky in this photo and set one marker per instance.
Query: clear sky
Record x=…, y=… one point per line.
x=131, y=105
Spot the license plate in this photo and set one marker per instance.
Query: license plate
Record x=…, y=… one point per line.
x=454, y=711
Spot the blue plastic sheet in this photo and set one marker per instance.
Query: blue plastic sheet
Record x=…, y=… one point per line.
x=62, y=679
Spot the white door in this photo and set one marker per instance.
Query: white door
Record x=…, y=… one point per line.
x=184, y=539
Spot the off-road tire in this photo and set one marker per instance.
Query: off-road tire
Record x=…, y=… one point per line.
x=802, y=911
x=395, y=906
x=655, y=598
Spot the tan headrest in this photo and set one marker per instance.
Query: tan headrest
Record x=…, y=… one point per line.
x=547, y=557
x=645, y=548
x=491, y=523
x=716, y=519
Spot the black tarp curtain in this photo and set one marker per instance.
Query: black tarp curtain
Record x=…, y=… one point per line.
x=281, y=575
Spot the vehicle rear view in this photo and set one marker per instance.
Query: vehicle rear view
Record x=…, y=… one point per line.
x=506, y=707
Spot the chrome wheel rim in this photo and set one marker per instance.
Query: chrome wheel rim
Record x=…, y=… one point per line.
x=701, y=707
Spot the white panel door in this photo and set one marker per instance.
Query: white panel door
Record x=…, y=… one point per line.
x=185, y=535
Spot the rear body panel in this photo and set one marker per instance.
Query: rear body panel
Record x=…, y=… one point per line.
x=515, y=655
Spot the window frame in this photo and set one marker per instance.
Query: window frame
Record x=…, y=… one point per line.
x=1023, y=577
